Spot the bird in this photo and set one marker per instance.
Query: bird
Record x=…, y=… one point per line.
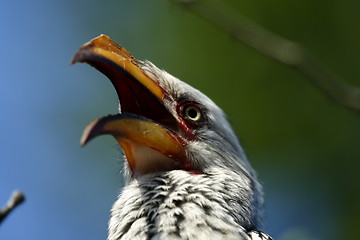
x=186, y=174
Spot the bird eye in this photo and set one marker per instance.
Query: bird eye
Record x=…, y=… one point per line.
x=192, y=113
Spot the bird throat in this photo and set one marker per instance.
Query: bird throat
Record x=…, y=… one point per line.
x=144, y=160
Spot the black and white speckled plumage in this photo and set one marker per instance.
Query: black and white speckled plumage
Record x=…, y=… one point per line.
x=183, y=205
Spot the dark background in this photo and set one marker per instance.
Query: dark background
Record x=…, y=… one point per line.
x=304, y=146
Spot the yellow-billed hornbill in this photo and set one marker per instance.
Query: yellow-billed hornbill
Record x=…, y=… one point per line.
x=187, y=176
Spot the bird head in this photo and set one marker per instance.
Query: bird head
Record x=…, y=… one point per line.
x=164, y=124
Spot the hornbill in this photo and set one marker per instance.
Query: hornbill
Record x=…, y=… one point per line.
x=187, y=176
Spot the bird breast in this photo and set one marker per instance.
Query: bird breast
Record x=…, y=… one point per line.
x=182, y=205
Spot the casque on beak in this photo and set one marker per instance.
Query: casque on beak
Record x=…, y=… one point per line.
x=145, y=128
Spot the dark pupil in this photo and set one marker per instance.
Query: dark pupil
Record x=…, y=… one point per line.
x=192, y=113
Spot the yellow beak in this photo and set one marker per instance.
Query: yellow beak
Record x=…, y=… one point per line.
x=145, y=129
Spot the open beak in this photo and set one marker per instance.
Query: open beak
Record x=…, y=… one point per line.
x=145, y=128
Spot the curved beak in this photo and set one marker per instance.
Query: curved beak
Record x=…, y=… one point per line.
x=145, y=128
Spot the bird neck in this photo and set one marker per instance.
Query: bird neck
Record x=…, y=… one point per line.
x=178, y=202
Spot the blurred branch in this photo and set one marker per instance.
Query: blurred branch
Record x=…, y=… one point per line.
x=15, y=200
x=277, y=48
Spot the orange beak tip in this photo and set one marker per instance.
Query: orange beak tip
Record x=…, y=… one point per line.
x=83, y=141
x=81, y=55
x=89, y=132
x=74, y=60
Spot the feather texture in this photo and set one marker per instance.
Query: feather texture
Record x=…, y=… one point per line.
x=184, y=205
